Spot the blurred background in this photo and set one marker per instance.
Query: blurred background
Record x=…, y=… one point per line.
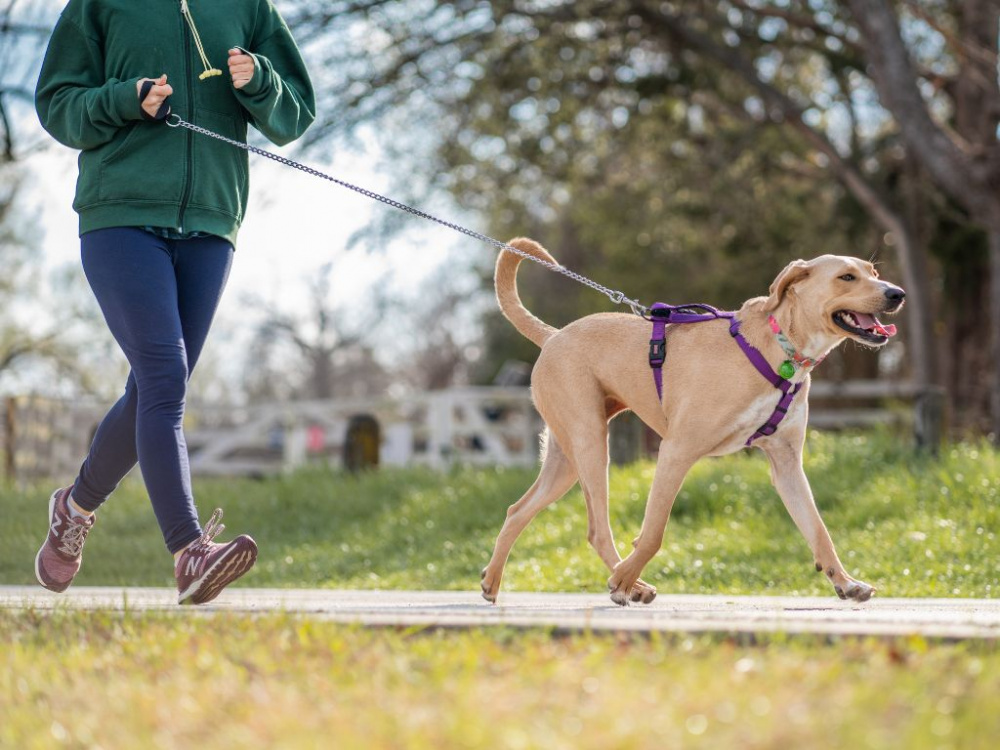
x=679, y=151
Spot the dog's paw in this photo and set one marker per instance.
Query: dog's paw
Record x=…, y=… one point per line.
x=621, y=594
x=490, y=585
x=642, y=592
x=859, y=591
x=620, y=597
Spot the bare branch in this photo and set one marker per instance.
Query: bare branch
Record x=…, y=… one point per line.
x=896, y=81
x=24, y=28
x=964, y=46
x=798, y=21
x=682, y=28
x=8, y=138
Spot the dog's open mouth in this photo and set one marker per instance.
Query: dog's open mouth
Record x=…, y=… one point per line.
x=864, y=326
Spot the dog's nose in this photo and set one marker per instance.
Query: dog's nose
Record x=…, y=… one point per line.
x=895, y=294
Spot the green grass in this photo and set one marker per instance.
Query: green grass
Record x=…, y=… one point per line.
x=98, y=680
x=910, y=525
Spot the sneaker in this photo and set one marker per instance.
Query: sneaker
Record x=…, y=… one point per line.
x=59, y=559
x=205, y=568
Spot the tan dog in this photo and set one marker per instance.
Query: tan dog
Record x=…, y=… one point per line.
x=713, y=401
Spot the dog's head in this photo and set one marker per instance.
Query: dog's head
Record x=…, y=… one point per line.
x=838, y=295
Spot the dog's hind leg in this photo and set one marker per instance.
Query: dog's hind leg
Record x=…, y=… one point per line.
x=590, y=456
x=554, y=481
x=671, y=468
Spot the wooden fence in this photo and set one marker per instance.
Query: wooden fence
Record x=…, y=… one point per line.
x=867, y=403
x=45, y=438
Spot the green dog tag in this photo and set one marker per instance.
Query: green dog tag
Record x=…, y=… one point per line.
x=787, y=369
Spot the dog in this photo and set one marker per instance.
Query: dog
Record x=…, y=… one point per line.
x=713, y=400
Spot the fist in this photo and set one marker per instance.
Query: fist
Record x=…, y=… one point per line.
x=160, y=91
x=240, y=68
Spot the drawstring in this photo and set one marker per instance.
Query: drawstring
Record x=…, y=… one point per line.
x=209, y=70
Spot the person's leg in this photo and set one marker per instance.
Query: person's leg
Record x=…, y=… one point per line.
x=112, y=453
x=201, y=267
x=158, y=298
x=127, y=268
x=205, y=567
x=132, y=275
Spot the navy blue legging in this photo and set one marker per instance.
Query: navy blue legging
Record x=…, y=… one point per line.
x=158, y=297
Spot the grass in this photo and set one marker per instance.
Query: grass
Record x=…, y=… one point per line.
x=153, y=681
x=910, y=525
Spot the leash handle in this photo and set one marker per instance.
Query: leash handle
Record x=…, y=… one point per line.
x=619, y=298
x=162, y=112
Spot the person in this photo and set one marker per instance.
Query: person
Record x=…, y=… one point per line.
x=159, y=212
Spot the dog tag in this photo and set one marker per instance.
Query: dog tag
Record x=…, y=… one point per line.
x=786, y=369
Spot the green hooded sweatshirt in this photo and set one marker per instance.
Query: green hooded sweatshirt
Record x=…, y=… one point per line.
x=135, y=172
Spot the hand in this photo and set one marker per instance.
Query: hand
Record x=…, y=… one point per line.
x=240, y=68
x=160, y=91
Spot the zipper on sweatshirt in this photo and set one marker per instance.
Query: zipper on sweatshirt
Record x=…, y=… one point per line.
x=189, y=164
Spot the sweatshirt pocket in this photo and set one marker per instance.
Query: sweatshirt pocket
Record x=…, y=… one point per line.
x=219, y=181
x=143, y=164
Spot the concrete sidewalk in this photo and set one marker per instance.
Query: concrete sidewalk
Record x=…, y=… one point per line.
x=933, y=618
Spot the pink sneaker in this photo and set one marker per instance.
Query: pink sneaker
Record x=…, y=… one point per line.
x=205, y=568
x=59, y=559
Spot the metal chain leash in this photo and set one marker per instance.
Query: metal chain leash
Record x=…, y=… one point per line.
x=619, y=298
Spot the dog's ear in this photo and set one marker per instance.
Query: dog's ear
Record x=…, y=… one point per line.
x=794, y=271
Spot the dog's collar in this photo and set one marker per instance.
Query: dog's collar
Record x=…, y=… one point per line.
x=795, y=361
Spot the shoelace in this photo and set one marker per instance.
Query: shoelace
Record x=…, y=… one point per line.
x=212, y=529
x=73, y=538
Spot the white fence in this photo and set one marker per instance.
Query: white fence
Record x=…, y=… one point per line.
x=480, y=426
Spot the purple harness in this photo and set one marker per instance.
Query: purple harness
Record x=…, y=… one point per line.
x=661, y=315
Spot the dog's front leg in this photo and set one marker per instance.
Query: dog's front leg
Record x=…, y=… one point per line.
x=671, y=468
x=790, y=480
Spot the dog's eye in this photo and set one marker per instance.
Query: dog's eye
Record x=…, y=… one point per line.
x=848, y=277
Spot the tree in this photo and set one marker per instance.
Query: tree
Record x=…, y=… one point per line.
x=961, y=154
x=317, y=354
x=24, y=25
x=67, y=343
x=18, y=341
x=434, y=345
x=896, y=123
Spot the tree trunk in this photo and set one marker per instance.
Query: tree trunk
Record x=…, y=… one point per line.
x=913, y=261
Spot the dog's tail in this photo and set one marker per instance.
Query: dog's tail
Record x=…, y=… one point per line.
x=511, y=306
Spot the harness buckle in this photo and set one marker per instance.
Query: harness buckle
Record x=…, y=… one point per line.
x=657, y=352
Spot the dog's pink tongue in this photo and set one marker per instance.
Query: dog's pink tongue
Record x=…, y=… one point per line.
x=871, y=323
